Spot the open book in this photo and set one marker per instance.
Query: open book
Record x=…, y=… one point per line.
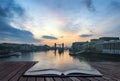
x=57, y=72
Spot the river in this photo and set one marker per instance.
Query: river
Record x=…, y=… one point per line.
x=50, y=58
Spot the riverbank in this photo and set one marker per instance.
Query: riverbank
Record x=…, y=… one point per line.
x=8, y=55
x=96, y=54
x=5, y=55
x=98, y=57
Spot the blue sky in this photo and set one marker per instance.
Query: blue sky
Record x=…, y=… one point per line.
x=50, y=21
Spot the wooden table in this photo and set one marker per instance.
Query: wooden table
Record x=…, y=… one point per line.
x=13, y=71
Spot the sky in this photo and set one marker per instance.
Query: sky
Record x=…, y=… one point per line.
x=58, y=21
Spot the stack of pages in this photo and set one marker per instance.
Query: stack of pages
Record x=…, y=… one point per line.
x=70, y=71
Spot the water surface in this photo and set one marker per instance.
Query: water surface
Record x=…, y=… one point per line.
x=50, y=59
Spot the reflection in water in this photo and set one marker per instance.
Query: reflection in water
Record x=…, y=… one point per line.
x=51, y=59
x=59, y=60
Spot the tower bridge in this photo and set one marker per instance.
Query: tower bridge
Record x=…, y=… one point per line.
x=59, y=46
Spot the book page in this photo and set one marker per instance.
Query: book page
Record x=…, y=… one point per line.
x=40, y=70
x=44, y=72
x=83, y=71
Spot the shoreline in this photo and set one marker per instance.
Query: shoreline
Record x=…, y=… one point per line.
x=94, y=53
x=5, y=55
x=98, y=57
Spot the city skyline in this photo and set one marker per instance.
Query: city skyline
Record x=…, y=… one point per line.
x=58, y=21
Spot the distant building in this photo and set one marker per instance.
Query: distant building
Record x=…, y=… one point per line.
x=95, y=45
x=108, y=38
x=7, y=47
x=77, y=46
x=112, y=47
x=100, y=44
x=105, y=45
x=94, y=40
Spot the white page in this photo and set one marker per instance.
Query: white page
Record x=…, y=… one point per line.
x=83, y=71
x=36, y=70
x=44, y=72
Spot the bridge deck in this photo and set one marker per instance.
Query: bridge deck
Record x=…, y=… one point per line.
x=13, y=71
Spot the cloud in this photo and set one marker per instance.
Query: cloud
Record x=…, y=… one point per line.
x=9, y=10
x=49, y=37
x=65, y=5
x=114, y=6
x=89, y=4
x=13, y=34
x=86, y=35
x=71, y=27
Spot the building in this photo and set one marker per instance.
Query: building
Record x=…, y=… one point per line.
x=94, y=40
x=78, y=46
x=106, y=45
x=108, y=38
x=111, y=47
x=95, y=45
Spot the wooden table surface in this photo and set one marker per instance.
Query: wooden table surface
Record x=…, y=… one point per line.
x=13, y=71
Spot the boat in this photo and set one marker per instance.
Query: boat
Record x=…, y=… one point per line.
x=11, y=54
x=17, y=53
x=76, y=53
